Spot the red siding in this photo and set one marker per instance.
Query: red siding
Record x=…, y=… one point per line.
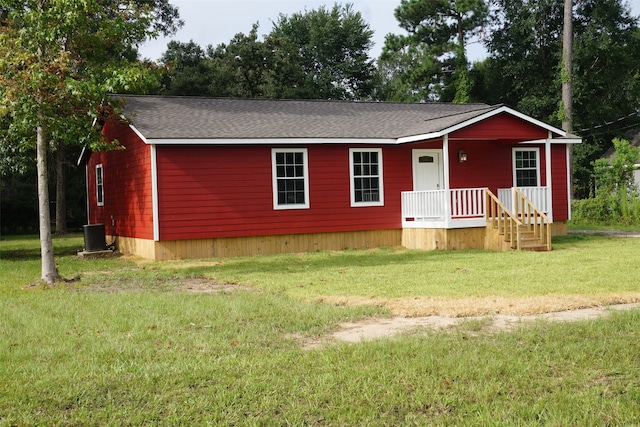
x=214, y=191
x=128, y=200
x=208, y=191
x=489, y=164
x=501, y=126
x=560, y=192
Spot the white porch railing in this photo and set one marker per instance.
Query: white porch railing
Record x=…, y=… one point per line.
x=457, y=208
x=467, y=202
x=539, y=196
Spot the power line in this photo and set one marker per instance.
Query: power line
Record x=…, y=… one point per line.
x=609, y=123
x=602, y=132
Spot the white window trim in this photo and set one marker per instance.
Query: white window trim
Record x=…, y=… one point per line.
x=380, y=177
x=513, y=156
x=274, y=177
x=100, y=188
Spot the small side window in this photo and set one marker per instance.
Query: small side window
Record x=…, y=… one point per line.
x=526, y=167
x=99, y=186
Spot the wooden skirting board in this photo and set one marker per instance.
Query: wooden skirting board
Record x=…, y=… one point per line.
x=420, y=238
x=257, y=245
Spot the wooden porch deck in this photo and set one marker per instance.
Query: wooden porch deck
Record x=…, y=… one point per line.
x=476, y=218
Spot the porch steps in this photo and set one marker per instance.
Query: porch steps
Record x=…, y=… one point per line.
x=528, y=240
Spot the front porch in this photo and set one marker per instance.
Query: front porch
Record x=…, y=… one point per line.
x=518, y=218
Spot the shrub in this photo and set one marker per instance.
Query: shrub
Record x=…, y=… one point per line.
x=617, y=201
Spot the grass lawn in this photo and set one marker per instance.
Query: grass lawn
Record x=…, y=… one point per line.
x=128, y=343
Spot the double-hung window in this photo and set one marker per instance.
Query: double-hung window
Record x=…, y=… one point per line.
x=366, y=177
x=290, y=175
x=99, y=186
x=526, y=167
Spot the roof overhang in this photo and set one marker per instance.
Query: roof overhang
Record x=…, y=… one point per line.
x=268, y=141
x=84, y=155
x=564, y=137
x=573, y=140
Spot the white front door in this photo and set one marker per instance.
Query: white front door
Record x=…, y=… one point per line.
x=427, y=170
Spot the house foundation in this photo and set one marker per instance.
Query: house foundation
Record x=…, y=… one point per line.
x=256, y=245
x=410, y=238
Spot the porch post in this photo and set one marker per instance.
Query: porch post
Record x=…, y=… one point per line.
x=447, y=196
x=569, y=177
x=154, y=190
x=547, y=157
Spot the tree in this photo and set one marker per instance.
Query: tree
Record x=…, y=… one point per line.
x=437, y=33
x=321, y=54
x=567, y=66
x=567, y=79
x=58, y=61
x=524, y=70
x=188, y=73
x=242, y=67
x=407, y=73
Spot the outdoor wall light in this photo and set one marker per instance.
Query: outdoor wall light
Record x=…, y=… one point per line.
x=462, y=156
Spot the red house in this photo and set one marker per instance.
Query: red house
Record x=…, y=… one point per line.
x=202, y=177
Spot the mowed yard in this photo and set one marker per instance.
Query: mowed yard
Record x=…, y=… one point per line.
x=219, y=342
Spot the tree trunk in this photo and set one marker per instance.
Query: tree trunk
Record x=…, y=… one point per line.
x=61, y=195
x=567, y=67
x=567, y=77
x=49, y=270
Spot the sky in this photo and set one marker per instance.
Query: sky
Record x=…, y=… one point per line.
x=217, y=21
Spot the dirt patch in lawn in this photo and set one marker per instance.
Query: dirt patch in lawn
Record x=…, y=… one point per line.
x=209, y=286
x=107, y=283
x=371, y=329
x=482, y=315
x=487, y=306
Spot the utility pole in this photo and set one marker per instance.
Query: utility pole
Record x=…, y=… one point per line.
x=567, y=76
x=567, y=68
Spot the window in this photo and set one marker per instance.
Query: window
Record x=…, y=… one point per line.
x=99, y=186
x=366, y=177
x=290, y=178
x=526, y=167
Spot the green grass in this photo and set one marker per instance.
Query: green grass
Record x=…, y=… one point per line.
x=126, y=345
x=579, y=264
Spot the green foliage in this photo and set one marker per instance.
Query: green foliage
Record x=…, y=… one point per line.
x=617, y=200
x=243, y=68
x=187, y=71
x=430, y=61
x=595, y=210
x=524, y=70
x=405, y=73
x=59, y=60
x=617, y=173
x=318, y=54
x=322, y=54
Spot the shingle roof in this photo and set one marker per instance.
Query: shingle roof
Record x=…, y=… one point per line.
x=159, y=117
